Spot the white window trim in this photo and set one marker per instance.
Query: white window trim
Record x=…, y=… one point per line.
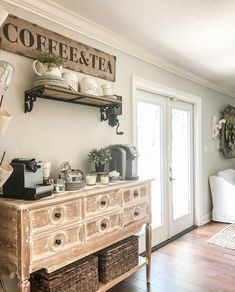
x=152, y=87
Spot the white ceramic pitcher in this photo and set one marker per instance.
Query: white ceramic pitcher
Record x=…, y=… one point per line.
x=43, y=69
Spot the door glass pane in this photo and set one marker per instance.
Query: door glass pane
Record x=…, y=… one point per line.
x=149, y=146
x=180, y=162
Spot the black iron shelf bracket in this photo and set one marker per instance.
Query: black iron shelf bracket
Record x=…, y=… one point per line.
x=110, y=113
x=28, y=102
x=30, y=98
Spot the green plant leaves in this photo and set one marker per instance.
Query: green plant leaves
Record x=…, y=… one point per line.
x=49, y=58
x=99, y=156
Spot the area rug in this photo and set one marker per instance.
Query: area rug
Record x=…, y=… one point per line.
x=224, y=238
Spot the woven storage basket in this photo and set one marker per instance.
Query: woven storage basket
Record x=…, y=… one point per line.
x=79, y=276
x=118, y=258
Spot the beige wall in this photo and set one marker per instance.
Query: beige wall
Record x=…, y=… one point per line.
x=60, y=132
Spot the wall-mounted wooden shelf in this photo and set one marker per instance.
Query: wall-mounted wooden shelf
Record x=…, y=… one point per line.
x=110, y=106
x=67, y=95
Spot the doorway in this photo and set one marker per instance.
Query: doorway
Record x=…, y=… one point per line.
x=164, y=135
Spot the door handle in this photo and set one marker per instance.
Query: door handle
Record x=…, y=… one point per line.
x=171, y=178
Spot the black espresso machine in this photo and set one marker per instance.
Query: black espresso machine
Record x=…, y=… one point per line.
x=124, y=160
x=26, y=181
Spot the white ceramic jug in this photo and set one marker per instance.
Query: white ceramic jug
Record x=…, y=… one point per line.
x=43, y=69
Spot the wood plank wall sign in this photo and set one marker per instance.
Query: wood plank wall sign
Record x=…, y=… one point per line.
x=21, y=37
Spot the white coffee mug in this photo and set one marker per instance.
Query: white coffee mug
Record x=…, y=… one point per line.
x=107, y=89
x=5, y=118
x=5, y=172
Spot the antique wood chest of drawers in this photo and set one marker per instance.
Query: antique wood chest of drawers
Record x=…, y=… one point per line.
x=54, y=232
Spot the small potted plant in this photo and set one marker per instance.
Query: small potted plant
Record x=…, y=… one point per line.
x=47, y=63
x=99, y=157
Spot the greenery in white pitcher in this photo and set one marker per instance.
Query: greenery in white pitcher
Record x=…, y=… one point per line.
x=51, y=59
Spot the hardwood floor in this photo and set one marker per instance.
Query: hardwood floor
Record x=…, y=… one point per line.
x=188, y=264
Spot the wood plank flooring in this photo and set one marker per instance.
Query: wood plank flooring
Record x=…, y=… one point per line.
x=188, y=264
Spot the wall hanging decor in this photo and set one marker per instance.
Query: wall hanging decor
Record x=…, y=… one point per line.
x=22, y=37
x=227, y=137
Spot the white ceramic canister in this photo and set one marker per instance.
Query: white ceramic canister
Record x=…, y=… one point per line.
x=72, y=79
x=89, y=86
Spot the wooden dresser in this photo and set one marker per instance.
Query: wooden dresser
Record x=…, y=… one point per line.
x=53, y=232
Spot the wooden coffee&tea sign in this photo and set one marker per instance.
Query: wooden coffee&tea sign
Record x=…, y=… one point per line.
x=21, y=37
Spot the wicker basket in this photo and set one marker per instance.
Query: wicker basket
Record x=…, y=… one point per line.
x=79, y=276
x=118, y=258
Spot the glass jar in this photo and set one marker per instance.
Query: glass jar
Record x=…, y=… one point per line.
x=91, y=179
x=104, y=179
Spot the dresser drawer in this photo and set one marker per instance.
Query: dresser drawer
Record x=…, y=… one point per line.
x=55, y=215
x=56, y=242
x=102, y=203
x=103, y=225
x=135, y=213
x=135, y=194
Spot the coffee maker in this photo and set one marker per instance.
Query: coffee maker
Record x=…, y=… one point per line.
x=26, y=181
x=124, y=160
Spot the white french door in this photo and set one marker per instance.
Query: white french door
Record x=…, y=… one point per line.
x=164, y=141
x=181, y=209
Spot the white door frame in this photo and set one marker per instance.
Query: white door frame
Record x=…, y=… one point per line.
x=152, y=87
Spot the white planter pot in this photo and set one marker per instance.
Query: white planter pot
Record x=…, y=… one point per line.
x=43, y=69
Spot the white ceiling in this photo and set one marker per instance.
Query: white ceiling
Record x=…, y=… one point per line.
x=195, y=35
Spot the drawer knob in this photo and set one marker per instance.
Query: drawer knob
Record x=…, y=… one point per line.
x=103, y=225
x=136, y=194
x=58, y=241
x=57, y=215
x=103, y=203
x=136, y=213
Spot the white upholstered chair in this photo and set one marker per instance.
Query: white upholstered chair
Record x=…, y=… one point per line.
x=223, y=196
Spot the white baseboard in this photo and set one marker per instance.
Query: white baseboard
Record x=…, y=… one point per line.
x=206, y=218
